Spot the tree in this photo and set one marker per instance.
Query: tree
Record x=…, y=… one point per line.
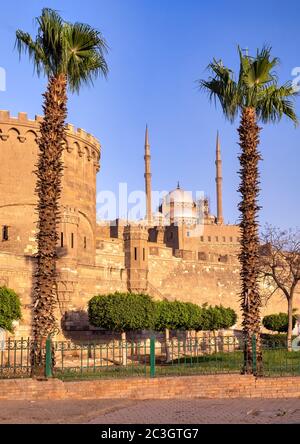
x=216, y=318
x=122, y=312
x=278, y=322
x=256, y=96
x=69, y=55
x=175, y=315
x=10, y=308
x=280, y=266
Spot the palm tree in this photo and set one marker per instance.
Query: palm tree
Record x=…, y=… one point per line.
x=255, y=96
x=70, y=55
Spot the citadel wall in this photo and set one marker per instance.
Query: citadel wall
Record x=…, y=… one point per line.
x=97, y=259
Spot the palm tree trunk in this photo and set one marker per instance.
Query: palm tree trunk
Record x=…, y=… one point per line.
x=249, y=254
x=48, y=189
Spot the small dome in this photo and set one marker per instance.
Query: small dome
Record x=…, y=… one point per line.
x=178, y=207
x=179, y=196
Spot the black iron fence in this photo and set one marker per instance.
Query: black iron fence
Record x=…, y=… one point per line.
x=148, y=358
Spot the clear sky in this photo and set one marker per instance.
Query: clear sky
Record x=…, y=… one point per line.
x=158, y=49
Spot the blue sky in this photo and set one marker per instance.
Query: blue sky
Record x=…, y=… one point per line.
x=158, y=49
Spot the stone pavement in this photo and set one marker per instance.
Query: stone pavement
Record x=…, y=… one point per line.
x=206, y=411
x=57, y=412
x=198, y=411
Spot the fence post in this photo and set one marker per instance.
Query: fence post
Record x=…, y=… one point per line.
x=254, y=366
x=48, y=369
x=152, y=357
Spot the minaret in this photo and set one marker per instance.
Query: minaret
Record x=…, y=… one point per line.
x=148, y=176
x=219, y=182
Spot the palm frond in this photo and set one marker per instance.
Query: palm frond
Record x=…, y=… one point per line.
x=222, y=87
x=257, y=87
x=25, y=44
x=76, y=50
x=85, y=50
x=275, y=102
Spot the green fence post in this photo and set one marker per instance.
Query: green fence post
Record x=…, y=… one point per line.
x=48, y=358
x=152, y=357
x=254, y=368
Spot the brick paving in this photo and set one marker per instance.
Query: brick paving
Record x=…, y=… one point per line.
x=206, y=411
x=57, y=412
x=197, y=411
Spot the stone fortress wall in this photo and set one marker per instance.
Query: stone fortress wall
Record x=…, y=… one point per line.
x=99, y=258
x=77, y=243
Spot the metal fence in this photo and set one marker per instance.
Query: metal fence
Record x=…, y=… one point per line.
x=110, y=360
x=147, y=358
x=15, y=358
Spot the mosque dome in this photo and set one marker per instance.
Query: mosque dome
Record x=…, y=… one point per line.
x=178, y=206
x=179, y=196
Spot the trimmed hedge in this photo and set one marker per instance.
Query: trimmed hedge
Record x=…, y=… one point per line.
x=122, y=312
x=10, y=308
x=176, y=315
x=216, y=318
x=278, y=322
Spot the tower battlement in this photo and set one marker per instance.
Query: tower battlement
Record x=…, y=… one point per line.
x=136, y=231
x=19, y=154
x=85, y=142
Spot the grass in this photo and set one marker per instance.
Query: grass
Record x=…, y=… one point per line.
x=109, y=372
x=275, y=363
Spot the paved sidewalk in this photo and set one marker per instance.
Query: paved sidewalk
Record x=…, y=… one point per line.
x=207, y=411
x=198, y=411
x=57, y=412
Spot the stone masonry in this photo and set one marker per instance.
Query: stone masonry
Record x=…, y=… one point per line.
x=95, y=257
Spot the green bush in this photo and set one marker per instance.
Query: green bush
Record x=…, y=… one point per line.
x=122, y=312
x=187, y=316
x=275, y=340
x=216, y=318
x=10, y=308
x=277, y=322
x=176, y=315
x=194, y=314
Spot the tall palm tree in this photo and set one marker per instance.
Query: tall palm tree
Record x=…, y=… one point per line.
x=70, y=55
x=255, y=96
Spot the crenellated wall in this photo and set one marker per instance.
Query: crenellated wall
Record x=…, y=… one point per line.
x=18, y=158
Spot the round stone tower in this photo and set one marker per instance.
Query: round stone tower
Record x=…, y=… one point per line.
x=18, y=217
